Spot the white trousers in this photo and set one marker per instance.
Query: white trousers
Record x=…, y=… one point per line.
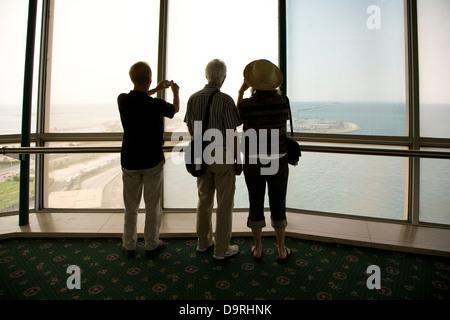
x=220, y=178
x=148, y=181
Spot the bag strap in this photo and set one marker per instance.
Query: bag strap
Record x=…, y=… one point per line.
x=290, y=118
x=206, y=120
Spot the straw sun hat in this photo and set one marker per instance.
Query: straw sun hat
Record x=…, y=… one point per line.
x=263, y=75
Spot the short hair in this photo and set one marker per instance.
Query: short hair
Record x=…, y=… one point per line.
x=139, y=72
x=216, y=71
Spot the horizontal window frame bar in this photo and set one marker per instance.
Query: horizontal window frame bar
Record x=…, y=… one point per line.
x=401, y=141
x=305, y=148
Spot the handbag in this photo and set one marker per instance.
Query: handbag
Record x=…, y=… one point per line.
x=294, y=152
x=197, y=167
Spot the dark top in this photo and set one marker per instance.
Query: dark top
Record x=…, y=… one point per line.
x=143, y=126
x=265, y=110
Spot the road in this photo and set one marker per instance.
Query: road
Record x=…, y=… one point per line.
x=99, y=181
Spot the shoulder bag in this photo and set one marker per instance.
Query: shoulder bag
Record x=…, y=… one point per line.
x=197, y=167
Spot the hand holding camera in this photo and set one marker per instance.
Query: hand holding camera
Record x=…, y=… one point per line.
x=163, y=85
x=169, y=83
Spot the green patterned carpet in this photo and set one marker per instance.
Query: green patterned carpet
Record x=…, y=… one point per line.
x=36, y=269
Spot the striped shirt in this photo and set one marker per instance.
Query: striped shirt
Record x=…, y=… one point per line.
x=223, y=113
x=265, y=110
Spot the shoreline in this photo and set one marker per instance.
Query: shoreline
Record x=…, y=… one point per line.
x=317, y=125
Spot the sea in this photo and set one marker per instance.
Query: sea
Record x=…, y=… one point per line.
x=361, y=185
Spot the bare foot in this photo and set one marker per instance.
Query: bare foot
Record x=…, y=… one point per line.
x=257, y=253
x=282, y=256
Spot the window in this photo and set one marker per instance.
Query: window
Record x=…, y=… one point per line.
x=346, y=74
x=369, y=186
x=235, y=31
x=346, y=66
x=94, y=45
x=434, y=67
x=83, y=180
x=199, y=31
x=434, y=186
x=180, y=188
x=13, y=37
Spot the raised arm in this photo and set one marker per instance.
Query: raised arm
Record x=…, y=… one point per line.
x=176, y=97
x=242, y=90
x=164, y=84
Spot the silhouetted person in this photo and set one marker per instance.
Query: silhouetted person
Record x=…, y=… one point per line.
x=142, y=156
x=220, y=176
x=265, y=111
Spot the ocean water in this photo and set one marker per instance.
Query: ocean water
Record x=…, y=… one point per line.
x=64, y=119
x=347, y=184
x=371, y=186
x=385, y=119
x=11, y=119
x=352, y=184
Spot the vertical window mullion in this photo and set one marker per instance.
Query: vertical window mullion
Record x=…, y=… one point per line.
x=414, y=112
x=26, y=115
x=47, y=8
x=162, y=45
x=162, y=61
x=282, y=43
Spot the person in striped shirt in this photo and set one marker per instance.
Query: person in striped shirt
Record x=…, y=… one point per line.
x=220, y=176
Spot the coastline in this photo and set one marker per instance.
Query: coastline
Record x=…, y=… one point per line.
x=316, y=125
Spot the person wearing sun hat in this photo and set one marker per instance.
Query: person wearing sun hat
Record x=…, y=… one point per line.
x=265, y=111
x=263, y=75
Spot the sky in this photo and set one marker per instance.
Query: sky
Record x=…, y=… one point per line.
x=95, y=42
x=235, y=31
x=13, y=29
x=434, y=52
x=332, y=54
x=335, y=55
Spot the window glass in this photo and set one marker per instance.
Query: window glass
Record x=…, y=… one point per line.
x=434, y=67
x=13, y=36
x=434, y=186
x=234, y=31
x=346, y=66
x=369, y=186
x=94, y=45
x=180, y=188
x=83, y=180
x=10, y=181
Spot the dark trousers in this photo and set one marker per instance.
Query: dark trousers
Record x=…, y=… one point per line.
x=277, y=188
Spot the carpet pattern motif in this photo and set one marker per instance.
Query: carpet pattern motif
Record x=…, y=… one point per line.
x=37, y=269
